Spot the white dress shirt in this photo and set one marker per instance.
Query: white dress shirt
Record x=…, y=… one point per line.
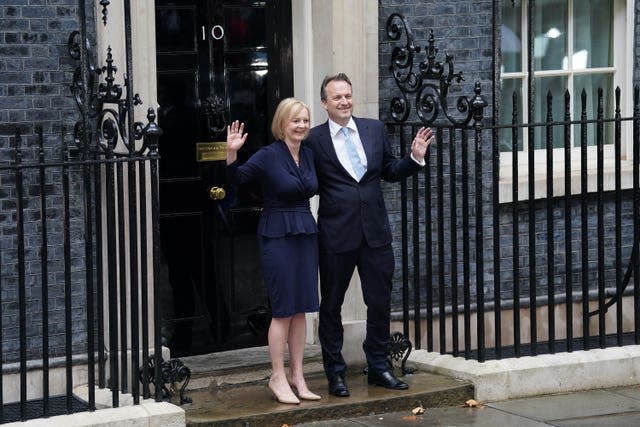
x=339, y=144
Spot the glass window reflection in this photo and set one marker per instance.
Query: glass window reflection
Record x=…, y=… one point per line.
x=593, y=34
x=510, y=87
x=550, y=35
x=572, y=50
x=511, y=38
x=590, y=85
x=556, y=86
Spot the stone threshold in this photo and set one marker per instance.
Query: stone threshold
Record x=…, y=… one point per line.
x=526, y=376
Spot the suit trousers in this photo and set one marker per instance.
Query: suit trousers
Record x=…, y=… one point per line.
x=375, y=267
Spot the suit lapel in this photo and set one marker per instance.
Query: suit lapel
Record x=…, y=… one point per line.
x=326, y=143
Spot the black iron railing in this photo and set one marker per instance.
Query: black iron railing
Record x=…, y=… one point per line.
x=79, y=255
x=473, y=259
x=60, y=200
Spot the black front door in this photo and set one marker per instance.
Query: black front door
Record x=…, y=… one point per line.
x=217, y=61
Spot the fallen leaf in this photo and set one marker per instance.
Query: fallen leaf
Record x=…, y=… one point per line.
x=410, y=418
x=418, y=410
x=473, y=404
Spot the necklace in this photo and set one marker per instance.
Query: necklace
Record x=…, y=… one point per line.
x=294, y=149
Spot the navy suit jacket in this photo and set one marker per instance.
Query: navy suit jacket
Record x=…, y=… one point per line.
x=349, y=210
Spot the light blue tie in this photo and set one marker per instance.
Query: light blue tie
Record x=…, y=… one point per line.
x=356, y=163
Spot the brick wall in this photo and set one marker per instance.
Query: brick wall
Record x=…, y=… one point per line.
x=461, y=29
x=35, y=68
x=36, y=72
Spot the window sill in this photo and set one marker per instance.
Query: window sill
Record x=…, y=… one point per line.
x=540, y=180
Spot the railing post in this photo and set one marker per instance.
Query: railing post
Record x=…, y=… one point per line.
x=152, y=135
x=22, y=298
x=477, y=108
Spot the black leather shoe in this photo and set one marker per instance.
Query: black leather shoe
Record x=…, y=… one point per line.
x=386, y=379
x=338, y=387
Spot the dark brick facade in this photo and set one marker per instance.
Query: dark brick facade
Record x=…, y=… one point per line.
x=36, y=72
x=461, y=29
x=35, y=68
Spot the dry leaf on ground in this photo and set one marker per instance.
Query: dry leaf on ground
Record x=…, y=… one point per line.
x=473, y=404
x=418, y=410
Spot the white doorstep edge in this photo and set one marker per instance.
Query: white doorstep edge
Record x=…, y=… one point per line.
x=526, y=376
x=148, y=413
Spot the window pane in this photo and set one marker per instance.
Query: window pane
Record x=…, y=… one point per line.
x=590, y=85
x=511, y=37
x=510, y=86
x=556, y=86
x=593, y=34
x=550, y=35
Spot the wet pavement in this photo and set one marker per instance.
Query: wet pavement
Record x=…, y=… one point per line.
x=619, y=407
x=230, y=390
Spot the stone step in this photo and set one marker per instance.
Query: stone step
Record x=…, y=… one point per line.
x=251, y=404
x=244, y=366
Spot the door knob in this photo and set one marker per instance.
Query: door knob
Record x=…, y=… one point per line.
x=217, y=193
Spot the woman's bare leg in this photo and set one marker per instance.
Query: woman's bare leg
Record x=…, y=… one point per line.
x=278, y=333
x=297, y=338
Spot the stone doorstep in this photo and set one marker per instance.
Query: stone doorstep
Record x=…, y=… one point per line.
x=496, y=380
x=246, y=376
x=253, y=404
x=238, y=367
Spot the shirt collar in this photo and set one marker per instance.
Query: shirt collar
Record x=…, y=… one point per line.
x=334, y=128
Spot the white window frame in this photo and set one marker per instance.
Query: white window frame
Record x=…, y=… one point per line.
x=622, y=72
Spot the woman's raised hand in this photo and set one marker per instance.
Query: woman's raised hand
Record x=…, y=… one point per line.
x=235, y=137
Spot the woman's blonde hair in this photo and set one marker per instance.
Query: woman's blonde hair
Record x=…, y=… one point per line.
x=286, y=109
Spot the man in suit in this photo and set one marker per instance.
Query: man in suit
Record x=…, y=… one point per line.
x=351, y=156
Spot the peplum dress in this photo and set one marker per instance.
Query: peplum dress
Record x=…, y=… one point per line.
x=287, y=231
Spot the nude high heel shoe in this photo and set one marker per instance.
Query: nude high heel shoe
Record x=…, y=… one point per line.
x=305, y=394
x=284, y=395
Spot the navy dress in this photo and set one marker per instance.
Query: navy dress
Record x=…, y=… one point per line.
x=287, y=231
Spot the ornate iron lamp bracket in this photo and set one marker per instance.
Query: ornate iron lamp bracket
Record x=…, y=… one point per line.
x=428, y=80
x=173, y=371
x=400, y=348
x=106, y=102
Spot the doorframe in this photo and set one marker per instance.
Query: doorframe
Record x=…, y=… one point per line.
x=276, y=40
